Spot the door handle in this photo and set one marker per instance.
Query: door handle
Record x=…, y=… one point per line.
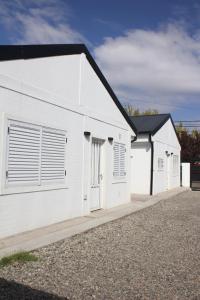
x=100, y=176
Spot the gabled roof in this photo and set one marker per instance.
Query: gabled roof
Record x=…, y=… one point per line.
x=150, y=123
x=14, y=52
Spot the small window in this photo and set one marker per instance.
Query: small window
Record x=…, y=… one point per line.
x=160, y=164
x=175, y=165
x=119, y=168
x=35, y=155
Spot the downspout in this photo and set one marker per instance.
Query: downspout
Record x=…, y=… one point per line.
x=152, y=164
x=134, y=139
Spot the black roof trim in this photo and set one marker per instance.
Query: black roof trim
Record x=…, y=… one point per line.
x=14, y=52
x=164, y=118
x=168, y=116
x=175, y=130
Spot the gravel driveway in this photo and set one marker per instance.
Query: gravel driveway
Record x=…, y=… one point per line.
x=151, y=254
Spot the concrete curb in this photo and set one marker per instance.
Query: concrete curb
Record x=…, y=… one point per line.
x=44, y=236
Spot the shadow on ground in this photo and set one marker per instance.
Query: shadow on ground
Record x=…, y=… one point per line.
x=11, y=290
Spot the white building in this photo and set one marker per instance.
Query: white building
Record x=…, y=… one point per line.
x=155, y=155
x=64, y=137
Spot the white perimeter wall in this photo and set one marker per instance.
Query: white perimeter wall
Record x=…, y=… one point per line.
x=65, y=93
x=186, y=174
x=140, y=168
x=140, y=165
x=165, y=140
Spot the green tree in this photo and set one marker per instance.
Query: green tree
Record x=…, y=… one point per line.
x=132, y=111
x=190, y=144
x=180, y=128
x=150, y=112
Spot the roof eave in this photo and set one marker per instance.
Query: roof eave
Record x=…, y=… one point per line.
x=14, y=52
x=144, y=132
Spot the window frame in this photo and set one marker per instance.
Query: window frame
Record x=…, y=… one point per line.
x=119, y=178
x=15, y=189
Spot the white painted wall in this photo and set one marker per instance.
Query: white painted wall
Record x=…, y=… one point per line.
x=167, y=135
x=115, y=192
x=166, y=179
x=57, y=75
x=165, y=140
x=186, y=174
x=96, y=99
x=62, y=92
x=140, y=167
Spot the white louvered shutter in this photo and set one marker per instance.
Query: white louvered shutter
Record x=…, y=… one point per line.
x=122, y=170
x=23, y=154
x=119, y=168
x=116, y=160
x=53, y=155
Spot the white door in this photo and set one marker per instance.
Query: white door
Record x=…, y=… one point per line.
x=96, y=176
x=168, y=172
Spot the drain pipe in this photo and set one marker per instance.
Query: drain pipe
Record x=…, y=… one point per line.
x=152, y=164
x=134, y=139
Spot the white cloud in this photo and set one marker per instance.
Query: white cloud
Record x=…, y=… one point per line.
x=32, y=22
x=157, y=68
x=38, y=30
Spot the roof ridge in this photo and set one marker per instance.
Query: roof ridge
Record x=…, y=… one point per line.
x=150, y=123
x=153, y=115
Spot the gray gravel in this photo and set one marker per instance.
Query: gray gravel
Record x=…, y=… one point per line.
x=151, y=254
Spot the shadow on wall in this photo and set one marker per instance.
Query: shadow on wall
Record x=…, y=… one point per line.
x=11, y=290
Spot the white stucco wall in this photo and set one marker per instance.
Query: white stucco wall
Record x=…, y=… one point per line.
x=186, y=174
x=140, y=167
x=165, y=140
x=57, y=75
x=61, y=92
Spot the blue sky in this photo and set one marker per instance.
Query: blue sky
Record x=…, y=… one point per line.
x=149, y=50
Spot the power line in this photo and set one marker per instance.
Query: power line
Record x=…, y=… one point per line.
x=162, y=104
x=195, y=121
x=191, y=126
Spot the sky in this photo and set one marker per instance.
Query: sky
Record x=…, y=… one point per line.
x=149, y=50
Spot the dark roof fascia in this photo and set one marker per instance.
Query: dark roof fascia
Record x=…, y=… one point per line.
x=156, y=129
x=162, y=123
x=168, y=116
x=109, y=90
x=175, y=130
x=145, y=132
x=14, y=52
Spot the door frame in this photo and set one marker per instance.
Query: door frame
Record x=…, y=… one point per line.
x=168, y=171
x=101, y=165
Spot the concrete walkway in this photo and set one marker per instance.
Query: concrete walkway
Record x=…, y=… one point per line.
x=44, y=236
